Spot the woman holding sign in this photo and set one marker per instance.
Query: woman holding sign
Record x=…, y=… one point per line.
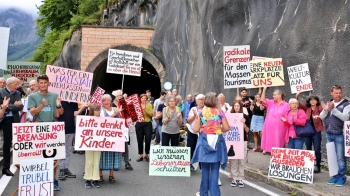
x=211, y=149
x=274, y=131
x=172, y=120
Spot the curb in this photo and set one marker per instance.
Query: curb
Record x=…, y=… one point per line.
x=288, y=187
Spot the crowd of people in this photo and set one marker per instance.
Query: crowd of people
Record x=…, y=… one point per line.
x=274, y=121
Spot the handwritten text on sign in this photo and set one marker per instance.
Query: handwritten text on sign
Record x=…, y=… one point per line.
x=235, y=136
x=347, y=138
x=38, y=140
x=299, y=78
x=100, y=133
x=237, y=66
x=36, y=177
x=96, y=98
x=267, y=72
x=169, y=161
x=124, y=62
x=292, y=164
x=71, y=85
x=132, y=111
x=24, y=71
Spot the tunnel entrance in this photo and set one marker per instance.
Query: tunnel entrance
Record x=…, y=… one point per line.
x=152, y=77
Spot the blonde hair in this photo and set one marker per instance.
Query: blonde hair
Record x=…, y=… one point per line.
x=221, y=95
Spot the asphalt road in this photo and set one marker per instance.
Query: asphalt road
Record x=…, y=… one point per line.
x=138, y=182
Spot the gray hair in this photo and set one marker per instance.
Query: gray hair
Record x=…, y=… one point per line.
x=2, y=78
x=106, y=96
x=281, y=92
x=116, y=92
x=167, y=98
x=11, y=80
x=293, y=100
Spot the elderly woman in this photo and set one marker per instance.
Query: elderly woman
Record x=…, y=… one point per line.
x=109, y=160
x=274, y=131
x=313, y=110
x=211, y=149
x=144, y=129
x=294, y=117
x=172, y=120
x=222, y=104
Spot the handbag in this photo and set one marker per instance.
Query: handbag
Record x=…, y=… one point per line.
x=304, y=131
x=154, y=124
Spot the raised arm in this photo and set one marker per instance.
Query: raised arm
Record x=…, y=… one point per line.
x=263, y=95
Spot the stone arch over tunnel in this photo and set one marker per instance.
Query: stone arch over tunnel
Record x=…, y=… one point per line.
x=153, y=74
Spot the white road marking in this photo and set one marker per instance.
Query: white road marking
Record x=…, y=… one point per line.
x=253, y=185
x=6, y=179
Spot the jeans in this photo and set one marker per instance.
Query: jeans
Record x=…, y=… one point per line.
x=210, y=177
x=316, y=141
x=158, y=137
x=143, y=133
x=338, y=140
x=173, y=138
x=64, y=163
x=159, y=131
x=296, y=143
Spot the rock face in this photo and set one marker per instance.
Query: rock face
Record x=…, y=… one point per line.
x=71, y=53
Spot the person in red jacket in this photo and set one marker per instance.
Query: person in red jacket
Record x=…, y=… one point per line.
x=313, y=109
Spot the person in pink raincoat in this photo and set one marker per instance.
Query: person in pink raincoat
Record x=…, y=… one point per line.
x=274, y=130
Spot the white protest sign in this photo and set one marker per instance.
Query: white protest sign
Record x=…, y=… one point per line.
x=4, y=42
x=237, y=66
x=299, y=78
x=332, y=159
x=292, y=164
x=38, y=140
x=36, y=177
x=347, y=138
x=124, y=62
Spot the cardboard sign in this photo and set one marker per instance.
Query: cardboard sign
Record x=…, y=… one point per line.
x=4, y=43
x=95, y=133
x=36, y=177
x=235, y=136
x=38, y=140
x=132, y=110
x=299, y=78
x=347, y=138
x=71, y=85
x=333, y=167
x=25, y=71
x=169, y=161
x=237, y=66
x=292, y=164
x=96, y=98
x=124, y=62
x=267, y=72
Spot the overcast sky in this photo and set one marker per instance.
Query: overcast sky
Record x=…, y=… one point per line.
x=25, y=5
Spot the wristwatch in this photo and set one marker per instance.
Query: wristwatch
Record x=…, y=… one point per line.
x=59, y=106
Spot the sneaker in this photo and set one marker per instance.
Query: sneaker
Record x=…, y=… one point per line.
x=219, y=182
x=317, y=169
x=234, y=183
x=198, y=194
x=96, y=184
x=255, y=149
x=56, y=187
x=340, y=182
x=69, y=174
x=61, y=175
x=333, y=180
x=240, y=184
x=88, y=184
x=128, y=166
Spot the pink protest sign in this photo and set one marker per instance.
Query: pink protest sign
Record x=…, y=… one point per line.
x=234, y=137
x=96, y=98
x=71, y=85
x=347, y=138
x=100, y=134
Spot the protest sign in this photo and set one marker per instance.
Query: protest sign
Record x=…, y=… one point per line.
x=36, y=177
x=236, y=66
x=96, y=98
x=71, y=85
x=132, y=111
x=299, y=78
x=169, y=161
x=94, y=133
x=235, y=136
x=38, y=140
x=124, y=62
x=292, y=164
x=347, y=138
x=25, y=71
x=259, y=58
x=4, y=43
x=266, y=72
x=333, y=167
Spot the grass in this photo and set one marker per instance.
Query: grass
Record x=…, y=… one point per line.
x=293, y=193
x=265, y=173
x=298, y=185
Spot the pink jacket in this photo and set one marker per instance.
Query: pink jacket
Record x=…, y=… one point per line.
x=299, y=119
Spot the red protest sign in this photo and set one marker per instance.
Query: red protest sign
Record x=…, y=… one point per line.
x=97, y=96
x=132, y=110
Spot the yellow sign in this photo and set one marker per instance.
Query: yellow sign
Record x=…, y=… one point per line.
x=267, y=72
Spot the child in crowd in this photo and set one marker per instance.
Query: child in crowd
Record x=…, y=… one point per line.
x=237, y=165
x=92, y=158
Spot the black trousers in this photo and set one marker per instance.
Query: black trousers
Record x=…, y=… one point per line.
x=192, y=141
x=6, y=126
x=143, y=133
x=173, y=138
